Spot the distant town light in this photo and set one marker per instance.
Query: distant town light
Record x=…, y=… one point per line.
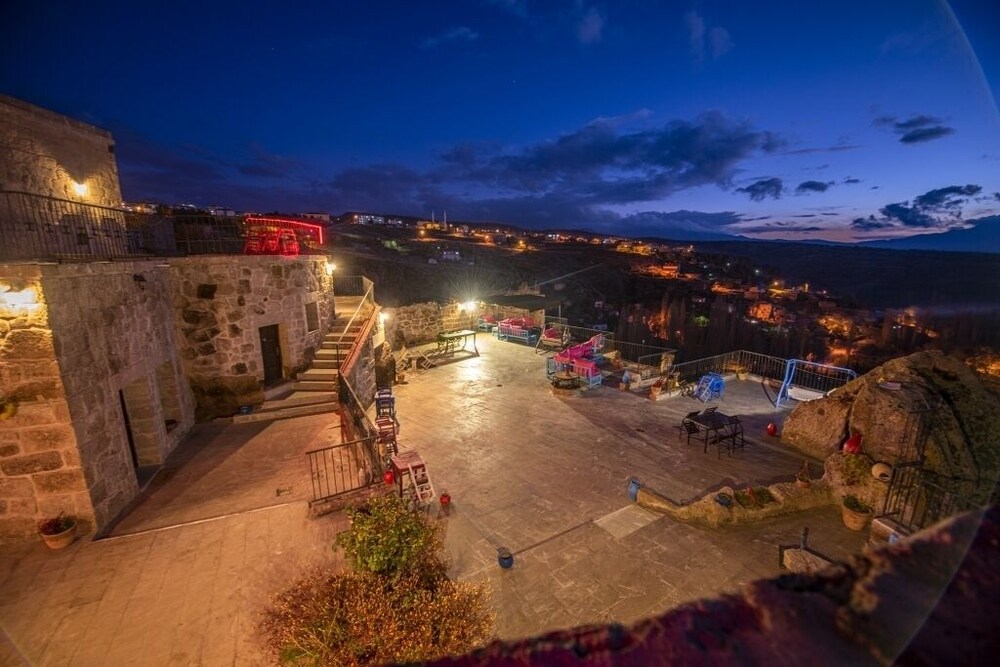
x=79, y=189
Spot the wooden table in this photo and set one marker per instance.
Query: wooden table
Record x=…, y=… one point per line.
x=448, y=341
x=565, y=380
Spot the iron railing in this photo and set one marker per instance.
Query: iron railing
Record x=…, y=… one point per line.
x=627, y=351
x=361, y=320
x=39, y=227
x=918, y=498
x=753, y=363
x=343, y=468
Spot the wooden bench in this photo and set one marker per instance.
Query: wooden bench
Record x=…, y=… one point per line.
x=508, y=330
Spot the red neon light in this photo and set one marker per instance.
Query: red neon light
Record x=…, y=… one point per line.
x=283, y=221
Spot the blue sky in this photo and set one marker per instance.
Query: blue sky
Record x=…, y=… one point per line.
x=849, y=120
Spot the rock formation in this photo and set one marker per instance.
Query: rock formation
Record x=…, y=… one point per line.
x=927, y=403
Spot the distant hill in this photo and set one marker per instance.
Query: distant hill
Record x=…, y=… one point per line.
x=984, y=237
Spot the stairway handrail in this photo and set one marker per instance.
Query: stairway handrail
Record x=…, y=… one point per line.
x=369, y=294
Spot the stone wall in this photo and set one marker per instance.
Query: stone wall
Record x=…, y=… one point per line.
x=422, y=322
x=220, y=303
x=96, y=332
x=46, y=153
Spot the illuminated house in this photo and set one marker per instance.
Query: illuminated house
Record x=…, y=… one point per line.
x=105, y=365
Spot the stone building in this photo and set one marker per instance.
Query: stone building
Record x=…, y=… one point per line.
x=106, y=365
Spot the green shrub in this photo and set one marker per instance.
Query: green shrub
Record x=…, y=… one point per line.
x=852, y=502
x=755, y=497
x=388, y=538
x=360, y=618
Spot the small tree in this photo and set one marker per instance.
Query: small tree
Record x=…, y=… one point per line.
x=388, y=539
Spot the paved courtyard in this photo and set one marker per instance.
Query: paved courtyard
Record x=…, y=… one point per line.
x=184, y=577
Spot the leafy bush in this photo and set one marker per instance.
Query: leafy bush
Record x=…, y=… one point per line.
x=389, y=539
x=755, y=497
x=359, y=618
x=854, y=503
x=397, y=606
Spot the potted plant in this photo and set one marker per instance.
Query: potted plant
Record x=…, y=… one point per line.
x=741, y=373
x=656, y=388
x=855, y=512
x=58, y=532
x=802, y=479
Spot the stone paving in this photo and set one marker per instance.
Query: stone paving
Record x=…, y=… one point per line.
x=541, y=475
x=545, y=476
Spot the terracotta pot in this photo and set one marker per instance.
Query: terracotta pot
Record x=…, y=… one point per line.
x=803, y=483
x=61, y=540
x=654, y=392
x=854, y=520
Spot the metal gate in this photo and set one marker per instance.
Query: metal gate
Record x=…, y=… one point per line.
x=338, y=469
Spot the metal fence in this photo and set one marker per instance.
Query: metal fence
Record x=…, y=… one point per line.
x=918, y=498
x=627, y=351
x=342, y=468
x=753, y=363
x=38, y=227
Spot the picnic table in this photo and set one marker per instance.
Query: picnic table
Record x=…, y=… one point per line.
x=449, y=341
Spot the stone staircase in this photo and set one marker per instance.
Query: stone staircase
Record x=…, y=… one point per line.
x=315, y=390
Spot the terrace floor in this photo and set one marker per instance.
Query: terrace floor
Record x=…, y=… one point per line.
x=188, y=572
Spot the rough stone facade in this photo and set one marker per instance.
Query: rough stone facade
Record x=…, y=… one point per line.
x=422, y=322
x=96, y=340
x=47, y=153
x=220, y=303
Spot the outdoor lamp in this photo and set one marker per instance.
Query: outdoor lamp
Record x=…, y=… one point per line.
x=330, y=268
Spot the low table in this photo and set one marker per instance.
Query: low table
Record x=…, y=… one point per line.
x=448, y=341
x=565, y=380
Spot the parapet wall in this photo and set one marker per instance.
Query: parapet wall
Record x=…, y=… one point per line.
x=422, y=322
x=47, y=153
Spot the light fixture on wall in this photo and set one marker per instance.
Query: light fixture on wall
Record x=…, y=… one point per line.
x=140, y=280
x=25, y=300
x=80, y=189
x=330, y=268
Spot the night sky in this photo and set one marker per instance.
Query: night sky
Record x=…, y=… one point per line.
x=841, y=120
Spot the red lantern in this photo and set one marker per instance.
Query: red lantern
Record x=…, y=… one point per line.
x=853, y=444
x=772, y=429
x=445, y=500
x=388, y=477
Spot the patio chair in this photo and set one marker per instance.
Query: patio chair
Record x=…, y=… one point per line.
x=682, y=427
x=693, y=431
x=736, y=432
x=719, y=441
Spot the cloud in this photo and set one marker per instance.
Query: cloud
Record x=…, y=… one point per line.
x=915, y=129
x=996, y=195
x=718, y=38
x=813, y=186
x=600, y=163
x=851, y=181
x=949, y=197
x=457, y=35
x=268, y=165
x=940, y=208
x=720, y=41
x=589, y=30
x=764, y=188
x=780, y=227
x=829, y=149
x=908, y=216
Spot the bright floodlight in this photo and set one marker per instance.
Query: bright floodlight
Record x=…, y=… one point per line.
x=80, y=189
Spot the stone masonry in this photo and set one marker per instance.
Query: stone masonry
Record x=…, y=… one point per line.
x=96, y=331
x=220, y=304
x=422, y=322
x=47, y=153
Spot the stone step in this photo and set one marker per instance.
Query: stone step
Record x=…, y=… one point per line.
x=325, y=363
x=320, y=374
x=314, y=385
x=345, y=344
x=299, y=398
x=287, y=413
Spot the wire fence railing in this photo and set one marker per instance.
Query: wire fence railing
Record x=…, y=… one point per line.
x=627, y=351
x=39, y=227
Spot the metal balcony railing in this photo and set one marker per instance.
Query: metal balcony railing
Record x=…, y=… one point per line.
x=42, y=228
